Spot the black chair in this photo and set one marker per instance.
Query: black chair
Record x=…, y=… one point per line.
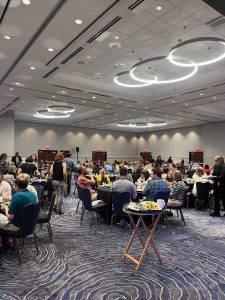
x=45, y=217
x=179, y=206
x=40, y=191
x=190, y=173
x=164, y=196
x=78, y=194
x=29, y=217
x=203, y=189
x=118, y=201
x=85, y=195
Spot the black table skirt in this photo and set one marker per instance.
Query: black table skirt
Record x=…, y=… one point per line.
x=105, y=194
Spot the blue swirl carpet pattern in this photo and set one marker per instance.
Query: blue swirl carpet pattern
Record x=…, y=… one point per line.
x=84, y=264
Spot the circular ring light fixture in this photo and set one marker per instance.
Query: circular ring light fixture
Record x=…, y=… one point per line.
x=61, y=109
x=45, y=114
x=157, y=81
x=172, y=58
x=142, y=125
x=125, y=73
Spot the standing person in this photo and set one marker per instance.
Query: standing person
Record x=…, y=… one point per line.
x=70, y=167
x=169, y=160
x=58, y=172
x=159, y=161
x=219, y=185
x=16, y=159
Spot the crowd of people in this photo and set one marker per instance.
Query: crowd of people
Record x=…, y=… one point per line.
x=149, y=178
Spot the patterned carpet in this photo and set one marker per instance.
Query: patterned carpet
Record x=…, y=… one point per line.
x=86, y=264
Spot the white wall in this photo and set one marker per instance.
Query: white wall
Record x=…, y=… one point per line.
x=7, y=133
x=178, y=142
x=29, y=137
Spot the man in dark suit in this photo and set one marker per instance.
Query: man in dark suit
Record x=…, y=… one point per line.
x=16, y=159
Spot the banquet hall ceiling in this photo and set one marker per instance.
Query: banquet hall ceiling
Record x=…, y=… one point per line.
x=113, y=36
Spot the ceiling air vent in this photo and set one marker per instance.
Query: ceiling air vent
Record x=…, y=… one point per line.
x=68, y=88
x=216, y=22
x=135, y=4
x=72, y=55
x=110, y=24
x=50, y=72
x=188, y=93
x=102, y=95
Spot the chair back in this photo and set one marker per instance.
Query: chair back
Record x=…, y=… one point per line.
x=118, y=201
x=162, y=195
x=29, y=217
x=190, y=173
x=51, y=206
x=203, y=189
x=85, y=196
x=78, y=189
x=40, y=191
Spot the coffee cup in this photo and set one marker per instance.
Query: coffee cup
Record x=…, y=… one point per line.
x=161, y=203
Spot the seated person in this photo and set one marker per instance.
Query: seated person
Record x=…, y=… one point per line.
x=12, y=218
x=30, y=187
x=84, y=182
x=129, y=176
x=28, y=167
x=143, y=180
x=164, y=173
x=108, y=167
x=102, y=178
x=157, y=184
x=207, y=170
x=169, y=177
x=199, y=176
x=124, y=185
x=5, y=189
x=178, y=190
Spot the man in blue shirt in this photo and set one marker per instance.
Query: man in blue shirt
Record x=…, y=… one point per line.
x=70, y=168
x=108, y=168
x=13, y=214
x=157, y=184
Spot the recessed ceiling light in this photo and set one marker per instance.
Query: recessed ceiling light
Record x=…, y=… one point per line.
x=173, y=101
x=7, y=37
x=88, y=57
x=17, y=83
x=11, y=89
x=103, y=118
x=116, y=37
x=134, y=109
x=146, y=107
x=32, y=68
x=98, y=73
x=17, y=106
x=64, y=92
x=186, y=104
x=50, y=49
x=78, y=21
x=108, y=106
x=181, y=118
x=93, y=97
x=146, y=112
x=120, y=102
x=201, y=94
x=26, y=2
x=214, y=98
x=159, y=8
x=53, y=96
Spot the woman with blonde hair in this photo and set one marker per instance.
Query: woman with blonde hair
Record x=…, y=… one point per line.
x=199, y=176
x=58, y=174
x=102, y=178
x=179, y=187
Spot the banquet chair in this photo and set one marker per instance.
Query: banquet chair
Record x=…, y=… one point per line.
x=165, y=196
x=178, y=206
x=29, y=217
x=85, y=195
x=78, y=194
x=118, y=201
x=203, y=189
x=45, y=217
x=40, y=191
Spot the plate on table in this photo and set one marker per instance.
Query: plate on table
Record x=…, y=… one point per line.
x=135, y=207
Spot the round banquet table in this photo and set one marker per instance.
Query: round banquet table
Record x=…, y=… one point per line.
x=149, y=234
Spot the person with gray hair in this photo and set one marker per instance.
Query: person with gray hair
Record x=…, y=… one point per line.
x=30, y=187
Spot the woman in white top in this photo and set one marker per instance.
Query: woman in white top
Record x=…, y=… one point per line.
x=199, y=176
x=142, y=181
